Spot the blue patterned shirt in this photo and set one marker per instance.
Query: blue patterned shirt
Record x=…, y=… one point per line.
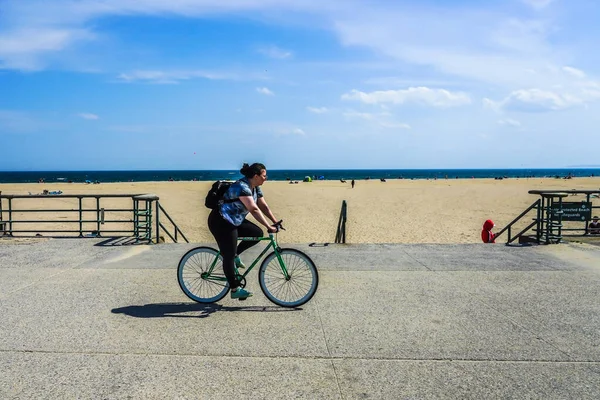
x=235, y=212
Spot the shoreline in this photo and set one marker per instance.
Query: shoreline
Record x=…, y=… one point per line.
x=553, y=178
x=292, y=175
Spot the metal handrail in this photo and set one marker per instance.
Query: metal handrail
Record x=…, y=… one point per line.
x=536, y=204
x=141, y=217
x=160, y=225
x=518, y=235
x=9, y=224
x=340, y=236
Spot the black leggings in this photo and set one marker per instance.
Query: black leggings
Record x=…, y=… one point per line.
x=226, y=235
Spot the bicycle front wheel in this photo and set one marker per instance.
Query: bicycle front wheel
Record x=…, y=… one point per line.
x=194, y=277
x=298, y=288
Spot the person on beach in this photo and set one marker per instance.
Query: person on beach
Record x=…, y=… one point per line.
x=487, y=236
x=594, y=226
x=228, y=221
x=352, y=183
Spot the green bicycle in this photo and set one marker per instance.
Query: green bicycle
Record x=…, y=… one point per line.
x=287, y=277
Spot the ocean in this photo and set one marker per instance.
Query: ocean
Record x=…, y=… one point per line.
x=281, y=175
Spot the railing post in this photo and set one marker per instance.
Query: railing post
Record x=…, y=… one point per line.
x=98, y=216
x=80, y=216
x=2, y=226
x=148, y=230
x=344, y=223
x=538, y=233
x=157, y=221
x=10, y=217
x=585, y=222
x=340, y=235
x=560, y=200
x=135, y=217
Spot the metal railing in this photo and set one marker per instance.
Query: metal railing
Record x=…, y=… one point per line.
x=548, y=224
x=98, y=220
x=566, y=225
x=160, y=226
x=508, y=228
x=340, y=236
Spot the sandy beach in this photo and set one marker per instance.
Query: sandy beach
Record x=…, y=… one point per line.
x=396, y=211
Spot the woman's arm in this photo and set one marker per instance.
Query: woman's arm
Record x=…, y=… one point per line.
x=251, y=206
x=264, y=207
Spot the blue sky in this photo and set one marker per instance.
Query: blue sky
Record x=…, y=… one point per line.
x=209, y=84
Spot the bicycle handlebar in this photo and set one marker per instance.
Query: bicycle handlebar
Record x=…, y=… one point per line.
x=278, y=225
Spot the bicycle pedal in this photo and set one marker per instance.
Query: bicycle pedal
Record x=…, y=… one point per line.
x=243, y=299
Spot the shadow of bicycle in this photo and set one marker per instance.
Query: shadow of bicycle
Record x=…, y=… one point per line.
x=189, y=310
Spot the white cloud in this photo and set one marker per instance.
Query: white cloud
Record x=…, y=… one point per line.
x=534, y=100
x=361, y=115
x=509, y=122
x=577, y=73
x=265, y=91
x=317, y=110
x=285, y=129
x=275, y=52
x=419, y=95
x=89, y=116
x=173, y=77
x=22, y=48
x=490, y=44
x=33, y=29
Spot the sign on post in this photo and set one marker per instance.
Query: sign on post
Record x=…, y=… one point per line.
x=581, y=211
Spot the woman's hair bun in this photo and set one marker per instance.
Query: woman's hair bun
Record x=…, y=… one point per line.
x=250, y=170
x=245, y=169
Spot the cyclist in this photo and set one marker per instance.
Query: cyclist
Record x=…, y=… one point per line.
x=228, y=221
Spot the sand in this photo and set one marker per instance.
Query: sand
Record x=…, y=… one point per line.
x=396, y=211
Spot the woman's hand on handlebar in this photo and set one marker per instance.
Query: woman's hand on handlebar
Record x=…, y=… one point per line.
x=276, y=227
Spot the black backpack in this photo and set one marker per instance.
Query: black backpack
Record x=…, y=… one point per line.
x=216, y=193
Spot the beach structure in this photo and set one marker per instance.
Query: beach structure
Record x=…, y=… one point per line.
x=89, y=215
x=552, y=213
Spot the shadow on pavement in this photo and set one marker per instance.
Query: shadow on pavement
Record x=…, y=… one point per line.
x=161, y=310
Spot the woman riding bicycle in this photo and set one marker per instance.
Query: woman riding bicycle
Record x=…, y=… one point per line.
x=228, y=221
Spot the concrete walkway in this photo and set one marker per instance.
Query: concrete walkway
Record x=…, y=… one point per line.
x=84, y=319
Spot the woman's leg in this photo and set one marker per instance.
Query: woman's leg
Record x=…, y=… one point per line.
x=248, y=229
x=226, y=236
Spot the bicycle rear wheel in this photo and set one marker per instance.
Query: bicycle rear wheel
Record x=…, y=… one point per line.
x=193, y=277
x=301, y=285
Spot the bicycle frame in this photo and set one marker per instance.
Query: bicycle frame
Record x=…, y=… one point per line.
x=272, y=244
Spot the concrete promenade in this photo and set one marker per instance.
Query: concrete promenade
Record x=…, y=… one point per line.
x=81, y=318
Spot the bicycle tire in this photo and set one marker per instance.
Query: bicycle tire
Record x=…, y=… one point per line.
x=189, y=271
x=302, y=271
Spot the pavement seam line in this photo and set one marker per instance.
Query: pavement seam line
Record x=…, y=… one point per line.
x=330, y=358
x=419, y=262
x=441, y=360
x=36, y=282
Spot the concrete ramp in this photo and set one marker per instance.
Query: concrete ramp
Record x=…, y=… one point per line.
x=84, y=319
